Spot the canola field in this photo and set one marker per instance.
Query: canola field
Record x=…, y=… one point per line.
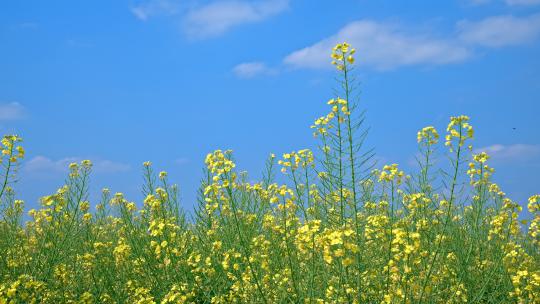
x=340, y=229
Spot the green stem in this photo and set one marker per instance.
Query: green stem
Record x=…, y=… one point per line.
x=447, y=219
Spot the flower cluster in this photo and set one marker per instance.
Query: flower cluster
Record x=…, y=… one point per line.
x=460, y=130
x=479, y=172
x=342, y=54
x=294, y=160
x=428, y=136
x=390, y=173
x=11, y=149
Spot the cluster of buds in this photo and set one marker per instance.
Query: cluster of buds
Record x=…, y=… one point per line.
x=390, y=173
x=339, y=104
x=478, y=171
x=10, y=148
x=342, y=54
x=428, y=136
x=302, y=158
x=460, y=129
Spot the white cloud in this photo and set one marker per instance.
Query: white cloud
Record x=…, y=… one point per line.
x=515, y=152
x=252, y=69
x=11, y=111
x=500, y=31
x=181, y=161
x=382, y=46
x=211, y=18
x=508, y=2
x=479, y=2
x=44, y=165
x=28, y=25
x=522, y=2
x=155, y=8
x=109, y=166
x=218, y=17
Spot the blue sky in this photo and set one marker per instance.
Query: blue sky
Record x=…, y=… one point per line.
x=122, y=82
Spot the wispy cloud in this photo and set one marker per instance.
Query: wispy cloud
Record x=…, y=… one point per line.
x=11, y=111
x=253, y=69
x=211, y=18
x=218, y=17
x=109, y=166
x=154, y=8
x=181, y=161
x=500, y=31
x=508, y=2
x=27, y=25
x=383, y=46
x=76, y=43
x=522, y=2
x=479, y=2
x=44, y=165
x=511, y=153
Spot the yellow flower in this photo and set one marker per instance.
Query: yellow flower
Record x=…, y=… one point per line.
x=87, y=217
x=459, y=129
x=20, y=151
x=429, y=135
x=341, y=55
x=85, y=206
